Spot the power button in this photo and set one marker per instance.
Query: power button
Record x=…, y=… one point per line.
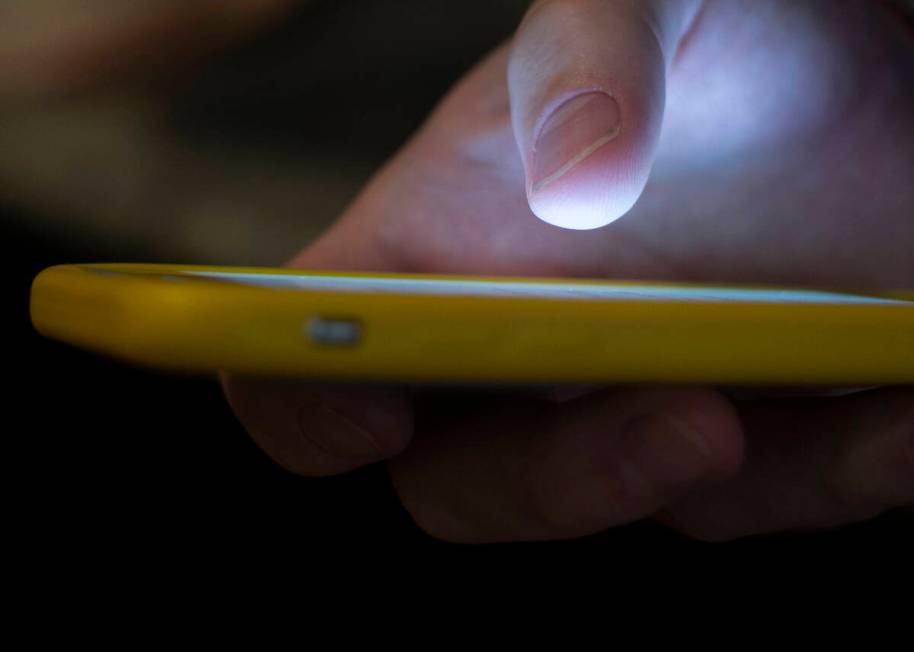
x=334, y=331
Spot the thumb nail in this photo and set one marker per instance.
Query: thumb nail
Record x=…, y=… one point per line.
x=576, y=130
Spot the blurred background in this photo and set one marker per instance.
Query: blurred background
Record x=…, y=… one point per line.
x=226, y=132
x=218, y=131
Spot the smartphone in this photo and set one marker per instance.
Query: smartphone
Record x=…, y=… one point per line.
x=457, y=329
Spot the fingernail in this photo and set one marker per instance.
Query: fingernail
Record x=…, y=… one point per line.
x=336, y=434
x=572, y=134
x=667, y=454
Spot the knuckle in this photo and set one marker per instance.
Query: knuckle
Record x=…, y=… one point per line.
x=549, y=24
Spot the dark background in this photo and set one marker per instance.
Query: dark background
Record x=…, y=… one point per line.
x=110, y=464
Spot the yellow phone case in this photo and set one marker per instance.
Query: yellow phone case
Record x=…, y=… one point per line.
x=177, y=318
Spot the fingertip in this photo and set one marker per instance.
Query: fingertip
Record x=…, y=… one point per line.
x=816, y=463
x=316, y=431
x=674, y=443
x=596, y=194
x=590, y=162
x=620, y=456
x=709, y=413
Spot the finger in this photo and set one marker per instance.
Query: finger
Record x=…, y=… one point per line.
x=811, y=463
x=314, y=429
x=537, y=470
x=587, y=84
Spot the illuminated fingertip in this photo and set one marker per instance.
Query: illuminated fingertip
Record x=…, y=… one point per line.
x=577, y=211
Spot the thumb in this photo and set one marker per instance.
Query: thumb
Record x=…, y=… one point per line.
x=587, y=81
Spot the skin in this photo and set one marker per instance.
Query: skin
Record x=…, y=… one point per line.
x=773, y=141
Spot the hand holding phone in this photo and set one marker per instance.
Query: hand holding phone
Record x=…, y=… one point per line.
x=787, y=165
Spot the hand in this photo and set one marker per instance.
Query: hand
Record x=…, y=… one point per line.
x=738, y=142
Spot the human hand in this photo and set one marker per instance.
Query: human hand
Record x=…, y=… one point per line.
x=744, y=142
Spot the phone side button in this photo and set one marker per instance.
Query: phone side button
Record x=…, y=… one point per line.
x=334, y=331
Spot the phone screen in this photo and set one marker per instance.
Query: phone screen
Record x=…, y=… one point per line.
x=539, y=289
